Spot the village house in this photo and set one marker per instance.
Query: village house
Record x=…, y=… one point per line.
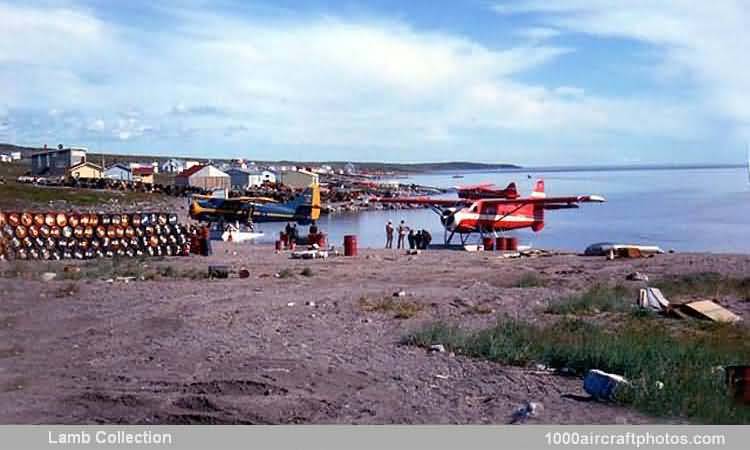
x=299, y=179
x=243, y=179
x=119, y=172
x=173, y=165
x=56, y=162
x=143, y=174
x=84, y=170
x=205, y=177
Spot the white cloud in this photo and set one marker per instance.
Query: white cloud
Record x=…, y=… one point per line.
x=321, y=81
x=705, y=41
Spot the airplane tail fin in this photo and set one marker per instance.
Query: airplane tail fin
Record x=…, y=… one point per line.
x=307, y=204
x=538, y=191
x=511, y=191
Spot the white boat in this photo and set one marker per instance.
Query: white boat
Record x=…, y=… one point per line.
x=233, y=233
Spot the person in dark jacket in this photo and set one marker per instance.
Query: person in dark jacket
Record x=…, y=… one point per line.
x=411, y=238
x=426, y=239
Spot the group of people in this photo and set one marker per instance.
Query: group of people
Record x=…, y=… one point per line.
x=417, y=239
x=292, y=234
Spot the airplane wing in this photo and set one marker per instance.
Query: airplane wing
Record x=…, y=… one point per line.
x=549, y=202
x=423, y=201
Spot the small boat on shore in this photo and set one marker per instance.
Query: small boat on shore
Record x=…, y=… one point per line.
x=458, y=176
x=232, y=233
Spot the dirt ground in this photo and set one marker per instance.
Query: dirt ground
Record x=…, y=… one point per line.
x=296, y=349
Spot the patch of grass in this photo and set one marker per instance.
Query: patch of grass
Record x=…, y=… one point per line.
x=399, y=307
x=704, y=284
x=686, y=362
x=531, y=279
x=307, y=272
x=286, y=273
x=479, y=309
x=596, y=300
x=102, y=269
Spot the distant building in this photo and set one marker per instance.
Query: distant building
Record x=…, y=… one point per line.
x=299, y=179
x=268, y=176
x=173, y=166
x=246, y=178
x=350, y=168
x=85, y=170
x=56, y=162
x=204, y=177
x=15, y=156
x=6, y=158
x=143, y=174
x=119, y=172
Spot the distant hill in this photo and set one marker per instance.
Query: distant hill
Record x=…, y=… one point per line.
x=394, y=167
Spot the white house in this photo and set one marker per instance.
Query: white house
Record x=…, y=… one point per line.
x=6, y=158
x=119, y=172
x=173, y=165
x=298, y=179
x=15, y=156
x=245, y=178
x=268, y=176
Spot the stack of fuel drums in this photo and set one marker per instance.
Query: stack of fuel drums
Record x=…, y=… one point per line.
x=55, y=236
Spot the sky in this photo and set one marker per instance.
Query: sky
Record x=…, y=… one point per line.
x=534, y=82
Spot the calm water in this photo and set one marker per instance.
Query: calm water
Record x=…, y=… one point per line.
x=687, y=210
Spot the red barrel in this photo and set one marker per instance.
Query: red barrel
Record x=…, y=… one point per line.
x=511, y=244
x=350, y=245
x=488, y=243
x=279, y=246
x=321, y=240
x=501, y=244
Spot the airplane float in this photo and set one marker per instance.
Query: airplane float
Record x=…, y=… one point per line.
x=302, y=209
x=475, y=213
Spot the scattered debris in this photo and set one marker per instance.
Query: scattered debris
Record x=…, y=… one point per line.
x=125, y=279
x=637, y=276
x=611, y=250
x=309, y=254
x=413, y=251
x=438, y=348
x=310, y=303
x=399, y=294
x=602, y=385
x=243, y=273
x=706, y=309
x=441, y=377
x=290, y=304
x=652, y=298
x=71, y=269
x=218, y=272
x=526, y=410
x=48, y=276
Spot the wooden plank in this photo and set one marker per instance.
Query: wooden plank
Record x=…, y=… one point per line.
x=712, y=311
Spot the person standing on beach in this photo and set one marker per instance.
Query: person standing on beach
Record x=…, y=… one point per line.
x=206, y=240
x=412, y=240
x=389, y=235
x=402, y=230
